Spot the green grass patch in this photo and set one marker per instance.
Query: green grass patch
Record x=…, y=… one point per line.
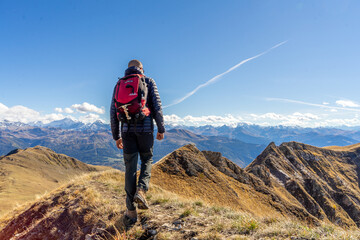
x=217, y=210
x=218, y=227
x=198, y=204
x=161, y=201
x=245, y=226
x=186, y=213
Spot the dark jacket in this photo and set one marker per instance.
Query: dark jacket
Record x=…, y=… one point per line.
x=154, y=104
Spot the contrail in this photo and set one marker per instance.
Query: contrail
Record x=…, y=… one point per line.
x=312, y=104
x=217, y=77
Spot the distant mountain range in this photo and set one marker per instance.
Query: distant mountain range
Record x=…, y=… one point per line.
x=70, y=124
x=264, y=135
x=92, y=142
x=88, y=145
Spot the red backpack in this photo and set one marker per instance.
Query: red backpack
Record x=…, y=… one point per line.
x=130, y=98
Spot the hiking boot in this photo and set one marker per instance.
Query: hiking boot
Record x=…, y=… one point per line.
x=140, y=199
x=130, y=219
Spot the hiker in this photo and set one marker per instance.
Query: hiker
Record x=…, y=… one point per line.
x=135, y=136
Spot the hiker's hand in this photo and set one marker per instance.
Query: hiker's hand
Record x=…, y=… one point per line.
x=160, y=136
x=119, y=144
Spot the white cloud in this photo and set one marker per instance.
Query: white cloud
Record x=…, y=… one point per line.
x=3, y=108
x=68, y=110
x=27, y=115
x=347, y=103
x=267, y=119
x=306, y=116
x=51, y=117
x=213, y=120
x=87, y=107
x=272, y=116
x=325, y=103
x=295, y=119
x=19, y=114
x=349, y=122
x=173, y=119
x=90, y=118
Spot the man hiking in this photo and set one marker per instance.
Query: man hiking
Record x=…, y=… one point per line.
x=135, y=103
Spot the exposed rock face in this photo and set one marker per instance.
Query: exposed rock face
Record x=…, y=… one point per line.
x=225, y=166
x=324, y=181
x=211, y=177
x=184, y=162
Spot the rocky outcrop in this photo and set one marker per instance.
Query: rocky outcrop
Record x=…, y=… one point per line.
x=324, y=181
x=211, y=177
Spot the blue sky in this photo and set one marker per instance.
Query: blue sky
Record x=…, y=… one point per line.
x=57, y=55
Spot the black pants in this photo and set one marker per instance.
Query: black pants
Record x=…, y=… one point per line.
x=135, y=144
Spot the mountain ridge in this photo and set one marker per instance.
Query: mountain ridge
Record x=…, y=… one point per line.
x=24, y=174
x=326, y=182
x=188, y=172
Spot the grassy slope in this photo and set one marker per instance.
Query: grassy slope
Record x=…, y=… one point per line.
x=211, y=185
x=26, y=174
x=94, y=203
x=345, y=148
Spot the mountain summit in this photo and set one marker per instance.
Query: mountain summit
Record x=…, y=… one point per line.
x=215, y=179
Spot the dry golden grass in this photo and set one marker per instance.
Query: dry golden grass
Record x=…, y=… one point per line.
x=103, y=195
x=91, y=197
x=211, y=187
x=344, y=148
x=30, y=173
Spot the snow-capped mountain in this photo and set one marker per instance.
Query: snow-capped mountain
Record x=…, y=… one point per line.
x=70, y=124
x=6, y=124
